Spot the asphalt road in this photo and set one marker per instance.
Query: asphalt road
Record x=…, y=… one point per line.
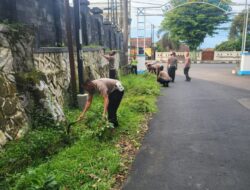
x=200, y=138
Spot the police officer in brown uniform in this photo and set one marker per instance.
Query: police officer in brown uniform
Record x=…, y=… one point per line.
x=111, y=60
x=163, y=77
x=187, y=66
x=112, y=92
x=172, y=65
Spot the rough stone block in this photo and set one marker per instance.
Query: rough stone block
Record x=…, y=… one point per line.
x=3, y=41
x=1, y=117
x=1, y=102
x=3, y=88
x=3, y=138
x=10, y=107
x=6, y=60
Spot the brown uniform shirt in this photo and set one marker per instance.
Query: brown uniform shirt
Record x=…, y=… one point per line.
x=187, y=61
x=172, y=62
x=105, y=86
x=156, y=66
x=164, y=75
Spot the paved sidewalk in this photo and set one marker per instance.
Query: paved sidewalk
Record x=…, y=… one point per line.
x=200, y=138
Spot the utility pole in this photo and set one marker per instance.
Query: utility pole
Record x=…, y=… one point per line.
x=144, y=41
x=129, y=26
x=71, y=55
x=246, y=28
x=112, y=12
x=152, y=41
x=141, y=28
x=121, y=15
x=125, y=31
x=78, y=29
x=108, y=10
x=116, y=13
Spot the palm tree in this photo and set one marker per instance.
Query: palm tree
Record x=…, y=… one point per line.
x=166, y=43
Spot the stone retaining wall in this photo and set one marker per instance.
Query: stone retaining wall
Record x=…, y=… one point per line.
x=96, y=66
x=36, y=79
x=13, y=118
x=55, y=68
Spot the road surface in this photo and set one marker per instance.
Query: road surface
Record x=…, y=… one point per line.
x=200, y=137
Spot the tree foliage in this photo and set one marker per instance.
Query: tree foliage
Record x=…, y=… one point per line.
x=230, y=45
x=235, y=35
x=191, y=23
x=236, y=28
x=166, y=43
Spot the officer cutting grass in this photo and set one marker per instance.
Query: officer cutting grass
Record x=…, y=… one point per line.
x=112, y=92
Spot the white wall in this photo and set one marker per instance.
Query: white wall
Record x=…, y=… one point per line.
x=218, y=56
x=227, y=55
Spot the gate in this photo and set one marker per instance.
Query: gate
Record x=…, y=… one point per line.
x=207, y=56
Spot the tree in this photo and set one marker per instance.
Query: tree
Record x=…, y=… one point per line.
x=236, y=28
x=190, y=24
x=166, y=43
x=233, y=45
x=230, y=45
x=235, y=35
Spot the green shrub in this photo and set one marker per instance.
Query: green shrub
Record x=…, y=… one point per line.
x=41, y=119
x=141, y=104
x=37, y=181
x=103, y=130
x=29, y=78
x=144, y=85
x=36, y=146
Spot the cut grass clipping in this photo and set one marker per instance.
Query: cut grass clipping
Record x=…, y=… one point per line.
x=92, y=157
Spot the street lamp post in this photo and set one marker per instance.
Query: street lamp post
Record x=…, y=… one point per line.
x=125, y=31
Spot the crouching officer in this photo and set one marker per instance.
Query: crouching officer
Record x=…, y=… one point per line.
x=163, y=77
x=112, y=92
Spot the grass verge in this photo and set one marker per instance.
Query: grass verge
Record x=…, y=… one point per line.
x=90, y=161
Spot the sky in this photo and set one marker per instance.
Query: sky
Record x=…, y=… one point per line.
x=209, y=42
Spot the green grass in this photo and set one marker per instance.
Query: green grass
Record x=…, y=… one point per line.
x=86, y=161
